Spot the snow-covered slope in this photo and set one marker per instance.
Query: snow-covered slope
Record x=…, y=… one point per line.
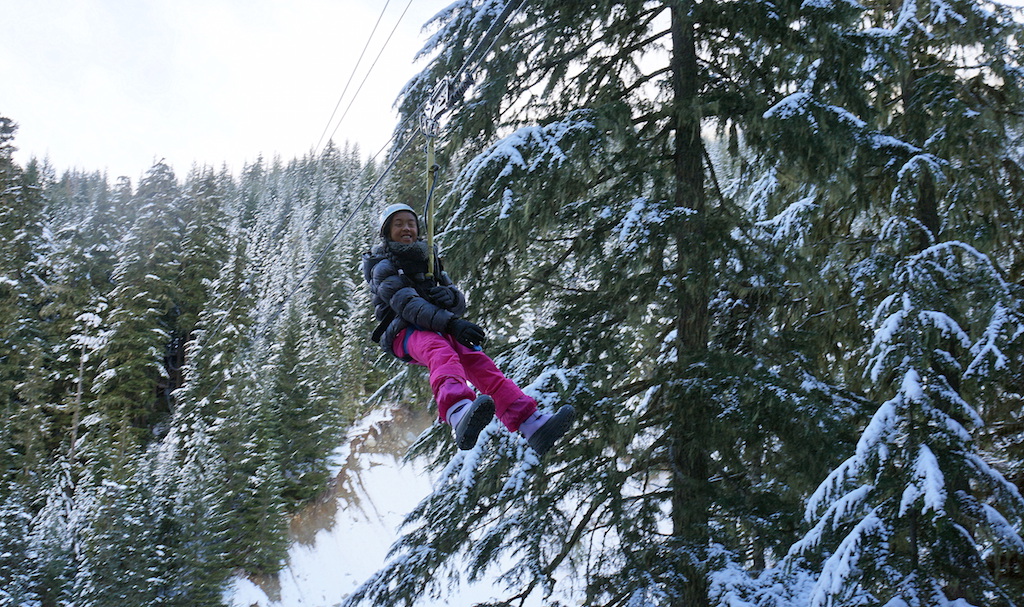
x=342, y=539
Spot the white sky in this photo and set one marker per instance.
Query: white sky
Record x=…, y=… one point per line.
x=117, y=85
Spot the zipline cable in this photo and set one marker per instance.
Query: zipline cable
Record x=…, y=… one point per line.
x=456, y=87
x=352, y=75
x=268, y=324
x=441, y=97
x=503, y=19
x=337, y=234
x=374, y=64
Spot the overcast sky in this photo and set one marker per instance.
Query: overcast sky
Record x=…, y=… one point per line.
x=115, y=85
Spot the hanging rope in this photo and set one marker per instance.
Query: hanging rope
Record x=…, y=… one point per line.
x=431, y=127
x=443, y=95
x=431, y=184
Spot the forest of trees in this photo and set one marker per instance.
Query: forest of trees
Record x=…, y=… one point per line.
x=768, y=250
x=169, y=396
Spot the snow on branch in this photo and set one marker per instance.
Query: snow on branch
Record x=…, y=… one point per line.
x=872, y=443
x=946, y=326
x=879, y=429
x=843, y=565
x=985, y=352
x=791, y=105
x=462, y=470
x=940, y=252
x=838, y=512
x=792, y=224
x=946, y=265
x=905, y=20
x=762, y=191
x=915, y=168
x=928, y=483
x=642, y=219
x=896, y=228
x=828, y=4
x=1005, y=491
x=528, y=150
x=1005, y=533
x=889, y=325
x=943, y=392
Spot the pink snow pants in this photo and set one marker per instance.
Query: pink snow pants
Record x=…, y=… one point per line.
x=453, y=366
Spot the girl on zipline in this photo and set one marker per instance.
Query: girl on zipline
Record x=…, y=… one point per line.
x=420, y=322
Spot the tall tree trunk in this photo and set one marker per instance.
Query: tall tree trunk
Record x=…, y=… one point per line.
x=77, y=410
x=690, y=413
x=917, y=133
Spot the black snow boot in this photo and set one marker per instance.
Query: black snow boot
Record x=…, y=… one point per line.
x=557, y=425
x=473, y=421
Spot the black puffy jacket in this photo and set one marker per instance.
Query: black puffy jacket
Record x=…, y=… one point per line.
x=398, y=297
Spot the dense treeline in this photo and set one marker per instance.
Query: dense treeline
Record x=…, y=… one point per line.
x=169, y=393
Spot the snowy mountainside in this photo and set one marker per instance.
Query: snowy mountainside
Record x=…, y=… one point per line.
x=341, y=539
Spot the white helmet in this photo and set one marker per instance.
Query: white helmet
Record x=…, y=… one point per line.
x=390, y=210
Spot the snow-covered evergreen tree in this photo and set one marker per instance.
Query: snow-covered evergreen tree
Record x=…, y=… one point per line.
x=917, y=512
x=55, y=538
x=23, y=393
x=80, y=264
x=616, y=272
x=309, y=418
x=133, y=384
x=925, y=157
x=117, y=539
x=250, y=437
x=17, y=570
x=118, y=299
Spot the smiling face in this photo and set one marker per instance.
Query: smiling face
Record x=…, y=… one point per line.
x=403, y=227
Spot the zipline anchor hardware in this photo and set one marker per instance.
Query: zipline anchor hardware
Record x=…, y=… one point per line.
x=436, y=105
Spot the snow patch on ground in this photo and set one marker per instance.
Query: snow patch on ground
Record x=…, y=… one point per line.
x=376, y=489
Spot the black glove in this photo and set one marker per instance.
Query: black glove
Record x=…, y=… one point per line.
x=465, y=332
x=442, y=296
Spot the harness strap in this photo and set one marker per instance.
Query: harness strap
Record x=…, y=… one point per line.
x=405, y=343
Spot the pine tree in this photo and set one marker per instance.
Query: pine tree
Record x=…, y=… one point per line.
x=600, y=248
x=201, y=516
x=133, y=384
x=188, y=521
x=23, y=394
x=915, y=514
x=74, y=307
x=204, y=251
x=222, y=326
x=307, y=430
x=249, y=439
x=917, y=508
x=119, y=539
x=55, y=539
x=17, y=572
